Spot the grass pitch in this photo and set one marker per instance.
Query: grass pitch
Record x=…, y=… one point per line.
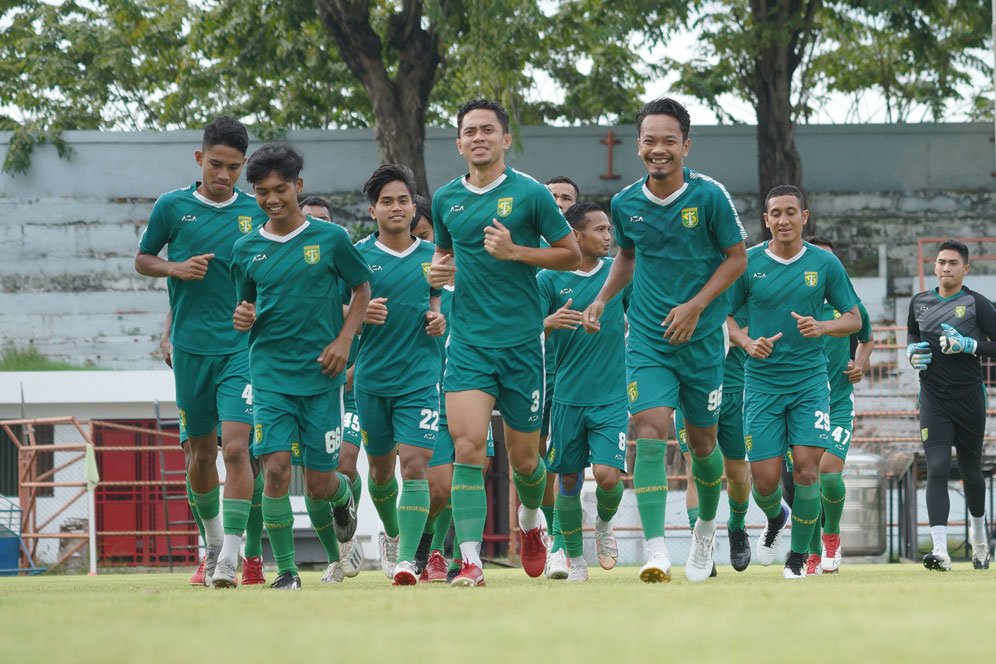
x=870, y=613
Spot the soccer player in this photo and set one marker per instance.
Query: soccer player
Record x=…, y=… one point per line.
x=948, y=329
x=287, y=275
x=844, y=371
x=488, y=228
x=422, y=222
x=786, y=395
x=566, y=191
x=317, y=207
x=200, y=224
x=398, y=402
x=589, y=417
x=682, y=245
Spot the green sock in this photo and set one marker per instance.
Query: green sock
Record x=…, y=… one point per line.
x=254, y=526
x=208, y=504
x=531, y=487
x=470, y=503
x=833, y=501
x=693, y=517
x=278, y=518
x=738, y=512
x=342, y=495
x=235, y=515
x=569, y=514
x=548, y=514
x=650, y=485
x=771, y=504
x=607, y=502
x=441, y=528
x=413, y=508
x=457, y=556
x=708, y=474
x=357, y=487
x=805, y=514
x=193, y=509
x=385, y=499
x=816, y=542
x=320, y=512
x=558, y=537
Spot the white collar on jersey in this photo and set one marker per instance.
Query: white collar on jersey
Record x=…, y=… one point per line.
x=207, y=201
x=284, y=238
x=593, y=270
x=483, y=190
x=664, y=201
x=449, y=288
x=784, y=261
x=398, y=254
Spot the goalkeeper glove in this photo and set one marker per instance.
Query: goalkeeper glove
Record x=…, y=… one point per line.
x=952, y=341
x=919, y=355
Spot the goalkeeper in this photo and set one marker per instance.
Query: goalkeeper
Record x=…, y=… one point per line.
x=949, y=327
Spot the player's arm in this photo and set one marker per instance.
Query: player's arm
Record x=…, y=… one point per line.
x=562, y=254
x=165, y=345
x=191, y=269
x=435, y=322
x=335, y=356
x=848, y=323
x=681, y=321
x=861, y=364
x=245, y=293
x=917, y=350
x=620, y=276
x=443, y=268
x=953, y=341
x=759, y=348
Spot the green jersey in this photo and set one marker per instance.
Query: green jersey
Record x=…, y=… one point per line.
x=771, y=290
x=191, y=225
x=733, y=369
x=838, y=350
x=496, y=302
x=398, y=357
x=445, y=307
x=679, y=243
x=591, y=368
x=294, y=281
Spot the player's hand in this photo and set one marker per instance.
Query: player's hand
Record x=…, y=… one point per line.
x=681, y=322
x=245, y=316
x=853, y=372
x=166, y=348
x=441, y=272
x=919, y=355
x=376, y=311
x=953, y=341
x=192, y=269
x=808, y=326
x=435, y=324
x=564, y=318
x=498, y=241
x=334, y=357
x=349, y=378
x=591, y=317
x=762, y=347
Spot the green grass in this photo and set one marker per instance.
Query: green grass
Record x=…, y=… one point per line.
x=868, y=613
x=14, y=358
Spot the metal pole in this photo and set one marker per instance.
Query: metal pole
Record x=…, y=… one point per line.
x=92, y=501
x=994, y=84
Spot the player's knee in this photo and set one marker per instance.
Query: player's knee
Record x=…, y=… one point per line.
x=381, y=468
x=235, y=453
x=805, y=475
x=439, y=494
x=606, y=477
x=570, y=484
x=737, y=472
x=318, y=485
x=414, y=468
x=276, y=478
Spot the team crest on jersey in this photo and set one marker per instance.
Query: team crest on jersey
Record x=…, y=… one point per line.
x=632, y=391
x=836, y=314
x=296, y=450
x=748, y=443
x=183, y=418
x=812, y=279
x=245, y=224
x=312, y=254
x=690, y=217
x=258, y=431
x=923, y=434
x=504, y=207
x=552, y=455
x=425, y=269
x=959, y=311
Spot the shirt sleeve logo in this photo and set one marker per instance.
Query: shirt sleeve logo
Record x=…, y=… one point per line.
x=690, y=217
x=960, y=311
x=245, y=224
x=812, y=279
x=504, y=207
x=312, y=254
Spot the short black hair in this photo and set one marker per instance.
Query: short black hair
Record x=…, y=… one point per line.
x=422, y=209
x=563, y=179
x=823, y=241
x=577, y=214
x=281, y=159
x=228, y=131
x=384, y=175
x=954, y=245
x=786, y=190
x=483, y=105
x=318, y=201
x=666, y=106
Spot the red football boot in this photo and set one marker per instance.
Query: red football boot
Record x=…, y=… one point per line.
x=436, y=567
x=252, y=571
x=470, y=576
x=198, y=577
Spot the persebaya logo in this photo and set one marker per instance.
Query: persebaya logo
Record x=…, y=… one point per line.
x=258, y=430
x=812, y=279
x=183, y=418
x=504, y=207
x=923, y=434
x=552, y=455
x=312, y=254
x=959, y=312
x=296, y=450
x=836, y=314
x=748, y=443
x=425, y=269
x=245, y=224
x=632, y=391
x=690, y=217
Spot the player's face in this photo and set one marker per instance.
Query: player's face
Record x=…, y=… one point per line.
x=394, y=208
x=785, y=218
x=221, y=166
x=423, y=230
x=317, y=211
x=482, y=141
x=950, y=269
x=564, y=194
x=661, y=146
x=596, y=237
x=278, y=197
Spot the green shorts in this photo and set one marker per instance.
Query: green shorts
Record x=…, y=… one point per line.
x=775, y=422
x=841, y=427
x=585, y=436
x=350, y=420
x=407, y=419
x=212, y=389
x=309, y=427
x=513, y=376
x=729, y=433
x=547, y=404
x=690, y=376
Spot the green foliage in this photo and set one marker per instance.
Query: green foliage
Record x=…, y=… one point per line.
x=29, y=358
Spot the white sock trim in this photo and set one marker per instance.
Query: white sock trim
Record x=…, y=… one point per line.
x=656, y=545
x=705, y=528
x=470, y=553
x=214, y=532
x=578, y=561
x=978, y=529
x=939, y=535
x=230, y=548
x=529, y=518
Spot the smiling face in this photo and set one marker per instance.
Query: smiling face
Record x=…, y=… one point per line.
x=394, y=208
x=278, y=197
x=785, y=218
x=950, y=269
x=221, y=166
x=662, y=147
x=481, y=140
x=595, y=239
